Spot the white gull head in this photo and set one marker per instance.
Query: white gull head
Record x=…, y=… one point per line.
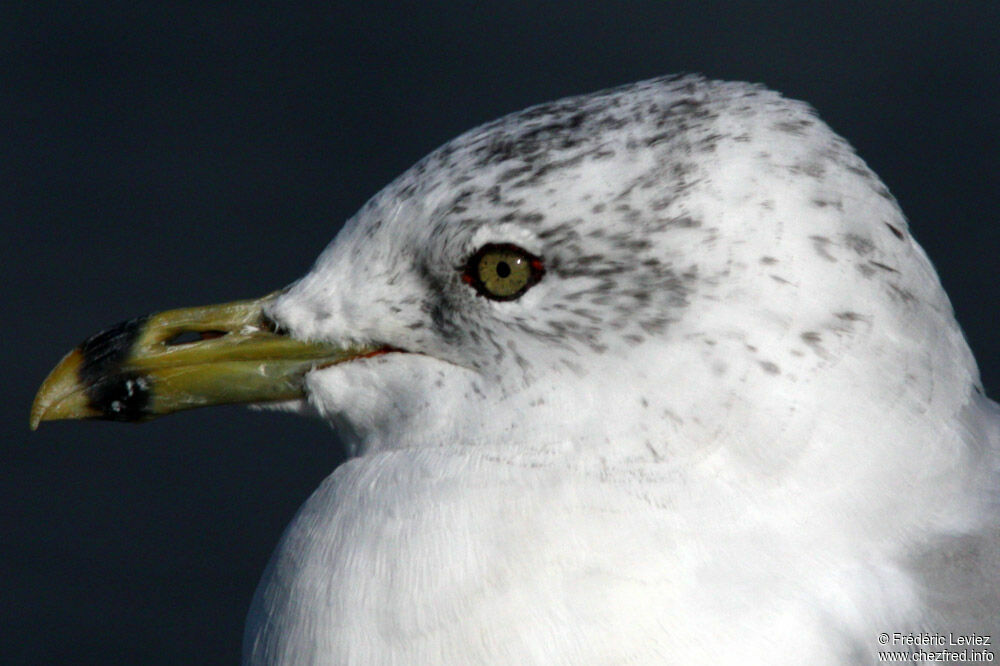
x=670, y=382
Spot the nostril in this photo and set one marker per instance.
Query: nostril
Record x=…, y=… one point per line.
x=187, y=337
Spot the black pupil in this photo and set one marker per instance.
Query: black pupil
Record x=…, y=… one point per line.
x=503, y=269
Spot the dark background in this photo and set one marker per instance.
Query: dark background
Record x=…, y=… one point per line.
x=154, y=155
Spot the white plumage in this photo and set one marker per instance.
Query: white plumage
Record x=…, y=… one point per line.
x=735, y=422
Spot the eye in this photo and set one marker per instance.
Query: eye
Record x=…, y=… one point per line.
x=502, y=271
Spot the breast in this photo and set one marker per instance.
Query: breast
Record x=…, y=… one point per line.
x=470, y=556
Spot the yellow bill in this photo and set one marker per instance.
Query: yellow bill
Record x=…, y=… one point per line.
x=181, y=359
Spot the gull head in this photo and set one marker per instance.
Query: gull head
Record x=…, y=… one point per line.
x=664, y=270
x=680, y=264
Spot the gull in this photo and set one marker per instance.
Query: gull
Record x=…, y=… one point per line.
x=654, y=375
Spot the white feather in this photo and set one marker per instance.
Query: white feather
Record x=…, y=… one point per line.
x=732, y=424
